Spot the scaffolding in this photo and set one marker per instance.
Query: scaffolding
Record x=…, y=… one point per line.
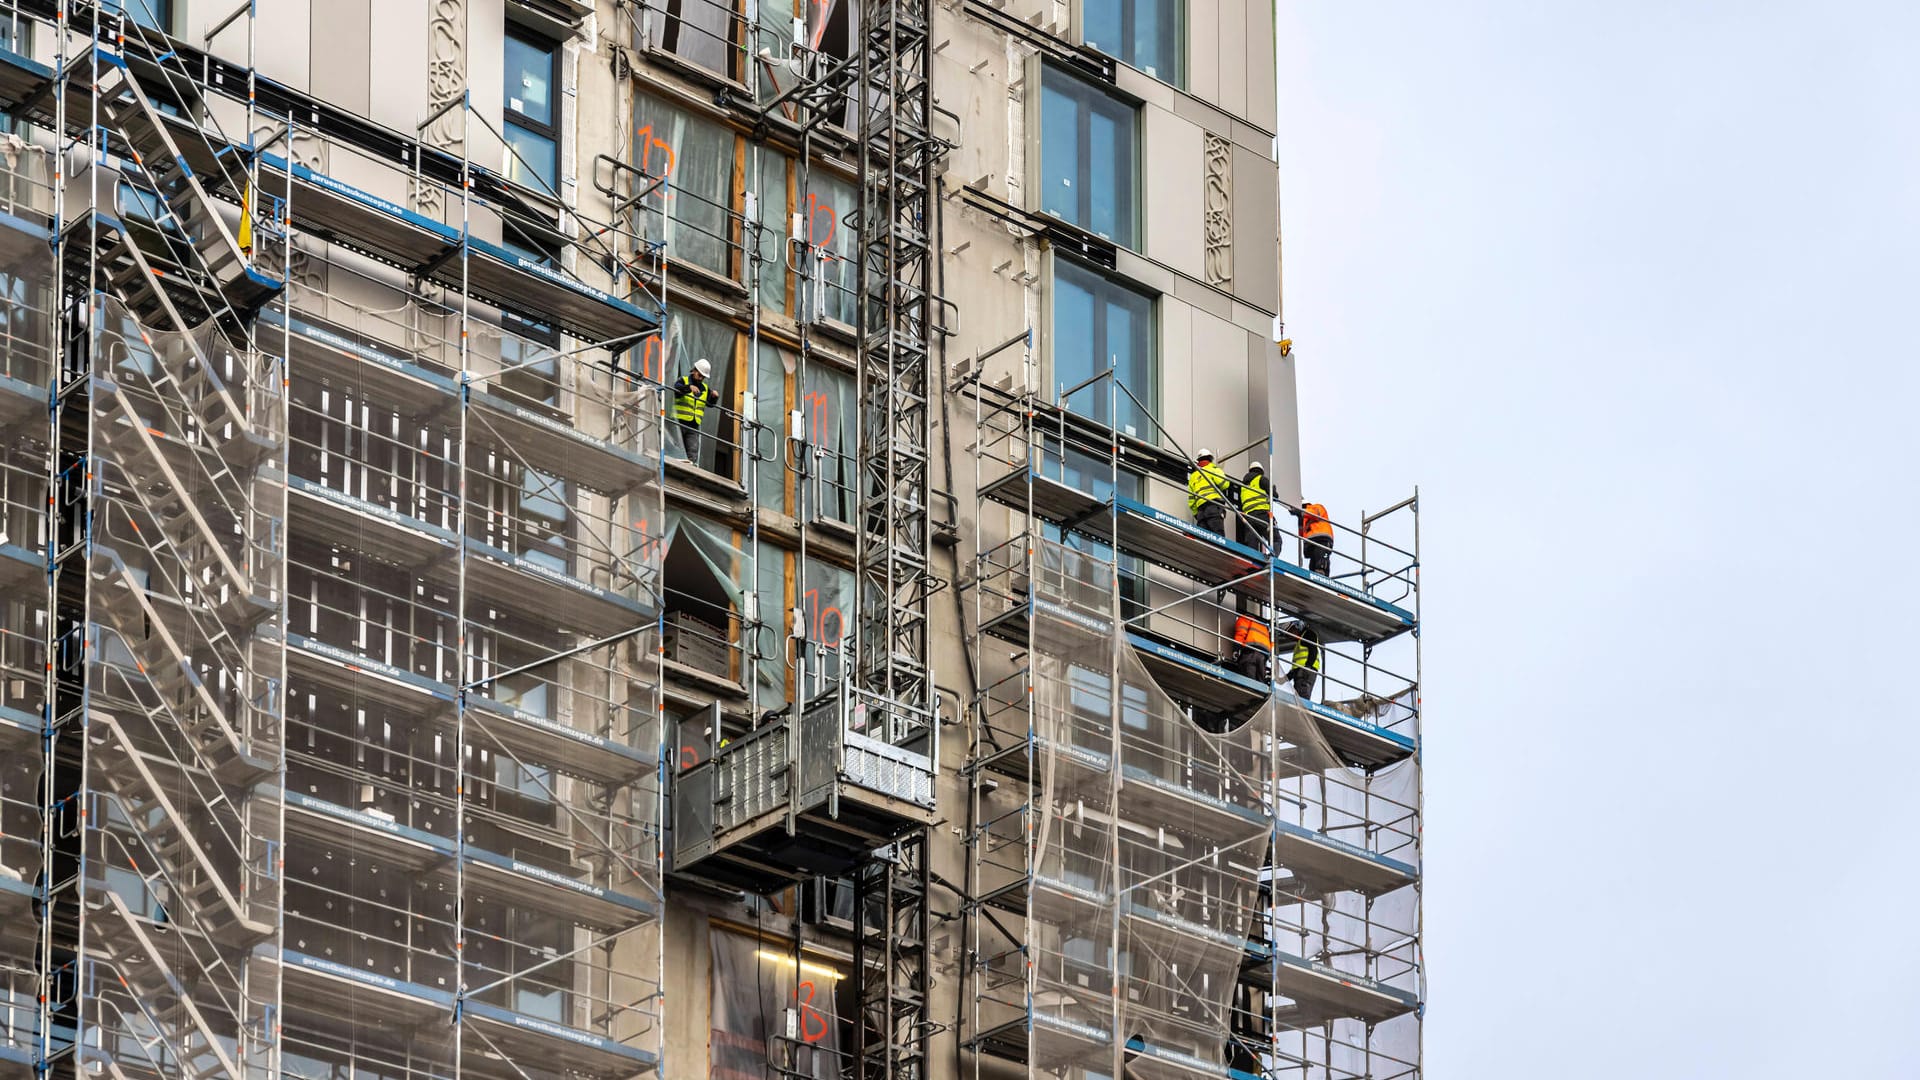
x=388, y=648
x=346, y=669
x=1180, y=863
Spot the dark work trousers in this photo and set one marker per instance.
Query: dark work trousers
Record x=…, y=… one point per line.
x=1251, y=662
x=1256, y=530
x=1212, y=517
x=690, y=439
x=1317, y=551
x=1303, y=682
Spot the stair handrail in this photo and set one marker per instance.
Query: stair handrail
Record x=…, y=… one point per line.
x=241, y=421
x=155, y=957
x=162, y=800
x=237, y=846
x=145, y=434
x=158, y=627
x=174, y=911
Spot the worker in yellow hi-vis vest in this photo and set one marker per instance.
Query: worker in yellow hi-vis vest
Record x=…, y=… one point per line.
x=1207, y=491
x=691, y=396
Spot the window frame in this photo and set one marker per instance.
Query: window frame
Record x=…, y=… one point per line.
x=1106, y=283
x=514, y=118
x=1087, y=96
x=1127, y=48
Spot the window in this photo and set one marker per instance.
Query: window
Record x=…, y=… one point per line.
x=532, y=366
x=532, y=117
x=770, y=206
x=690, y=338
x=1143, y=33
x=772, y=367
x=699, y=31
x=826, y=602
x=152, y=14
x=1101, y=325
x=827, y=406
x=1083, y=472
x=829, y=203
x=1087, y=156
x=691, y=212
x=14, y=38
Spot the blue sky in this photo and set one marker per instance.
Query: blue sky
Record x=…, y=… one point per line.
x=1630, y=290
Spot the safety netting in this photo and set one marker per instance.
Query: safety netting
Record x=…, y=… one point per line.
x=1149, y=835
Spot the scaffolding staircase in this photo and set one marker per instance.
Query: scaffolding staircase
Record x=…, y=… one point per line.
x=165, y=561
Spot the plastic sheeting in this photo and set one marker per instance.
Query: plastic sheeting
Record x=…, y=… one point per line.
x=767, y=1009
x=1149, y=836
x=1140, y=883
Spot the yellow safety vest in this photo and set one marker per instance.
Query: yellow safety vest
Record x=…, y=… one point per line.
x=1205, y=484
x=1253, y=495
x=690, y=404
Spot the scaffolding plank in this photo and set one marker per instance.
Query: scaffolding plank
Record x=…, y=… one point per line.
x=385, y=230
x=407, y=693
x=1359, y=741
x=554, y=1046
x=318, y=512
x=374, y=369
x=1050, y=499
x=1157, y=800
x=320, y=821
x=516, y=583
x=1321, y=992
x=528, y=885
x=1189, y=1063
x=1168, y=541
x=348, y=993
x=1342, y=612
x=1194, y=678
x=549, y=442
x=578, y=753
x=1335, y=865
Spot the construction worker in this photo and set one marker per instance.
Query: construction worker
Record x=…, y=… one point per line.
x=1207, y=490
x=691, y=396
x=1256, y=510
x=1316, y=538
x=1309, y=659
x=1253, y=648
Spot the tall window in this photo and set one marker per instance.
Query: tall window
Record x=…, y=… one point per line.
x=1084, y=472
x=827, y=404
x=532, y=116
x=1087, y=156
x=1143, y=33
x=527, y=348
x=691, y=212
x=13, y=38
x=1100, y=325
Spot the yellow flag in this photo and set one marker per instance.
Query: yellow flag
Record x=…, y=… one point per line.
x=246, y=221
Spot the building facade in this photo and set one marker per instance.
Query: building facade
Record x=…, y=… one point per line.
x=405, y=672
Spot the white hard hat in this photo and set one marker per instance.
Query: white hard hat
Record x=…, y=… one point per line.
x=1204, y=453
x=1257, y=467
x=705, y=369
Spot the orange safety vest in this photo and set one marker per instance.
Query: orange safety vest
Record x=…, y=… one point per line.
x=1313, y=520
x=1250, y=632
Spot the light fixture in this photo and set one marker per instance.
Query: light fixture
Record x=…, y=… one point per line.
x=806, y=966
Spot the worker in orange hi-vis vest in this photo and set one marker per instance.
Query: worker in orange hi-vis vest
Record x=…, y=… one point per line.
x=1253, y=648
x=1316, y=537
